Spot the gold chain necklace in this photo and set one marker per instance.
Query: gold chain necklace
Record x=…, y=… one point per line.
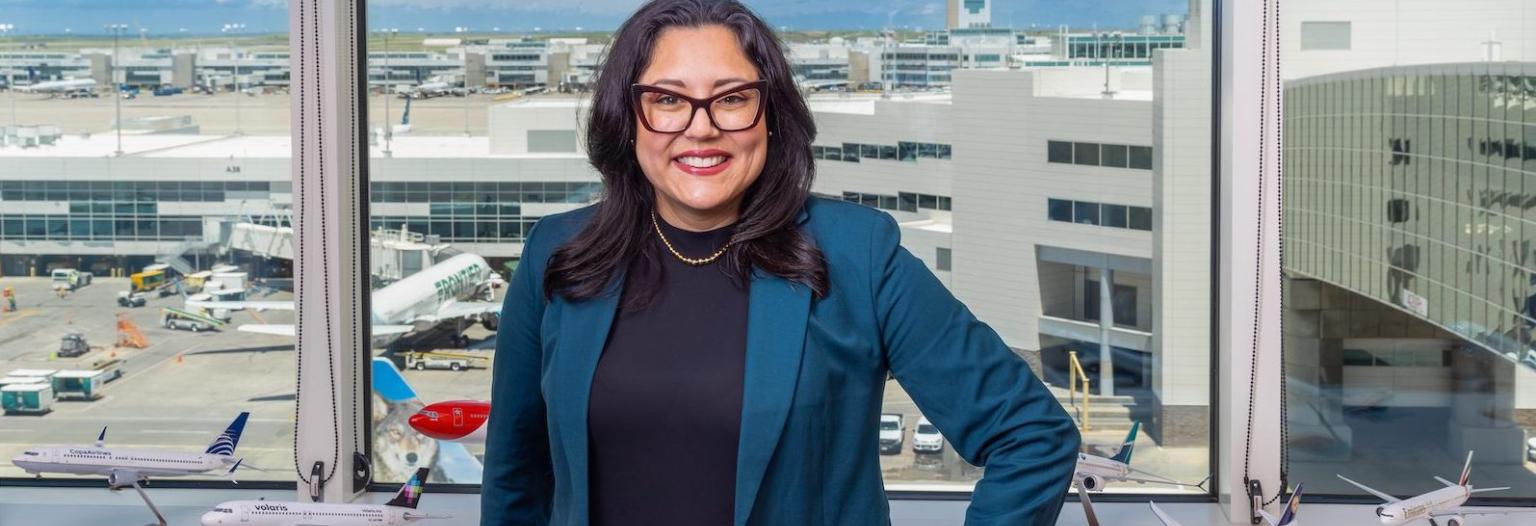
x=688, y=260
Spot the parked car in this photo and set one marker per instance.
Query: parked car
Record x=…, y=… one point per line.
x=892, y=433
x=131, y=299
x=926, y=438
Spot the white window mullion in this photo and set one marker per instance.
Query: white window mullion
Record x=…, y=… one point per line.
x=330, y=283
x=1249, y=125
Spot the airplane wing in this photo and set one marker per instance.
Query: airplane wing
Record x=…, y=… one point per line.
x=1167, y=521
x=268, y=328
x=461, y=309
x=290, y=330
x=1485, y=511
x=242, y=305
x=1154, y=481
x=1378, y=494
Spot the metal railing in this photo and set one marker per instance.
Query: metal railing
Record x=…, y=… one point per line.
x=1075, y=374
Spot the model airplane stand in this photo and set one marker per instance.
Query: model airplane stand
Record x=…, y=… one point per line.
x=158, y=516
x=1082, y=495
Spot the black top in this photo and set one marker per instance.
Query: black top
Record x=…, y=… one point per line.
x=665, y=413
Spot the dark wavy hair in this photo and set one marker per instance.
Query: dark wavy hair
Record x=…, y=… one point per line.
x=766, y=235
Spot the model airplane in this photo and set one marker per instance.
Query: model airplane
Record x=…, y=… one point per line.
x=128, y=467
x=1443, y=504
x=462, y=421
x=1095, y=472
x=400, y=511
x=451, y=459
x=458, y=289
x=1287, y=517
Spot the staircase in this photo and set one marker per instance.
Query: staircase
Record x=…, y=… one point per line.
x=1104, y=413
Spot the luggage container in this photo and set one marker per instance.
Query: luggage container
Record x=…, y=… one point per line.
x=34, y=398
x=79, y=384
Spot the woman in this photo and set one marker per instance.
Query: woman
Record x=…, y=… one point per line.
x=708, y=345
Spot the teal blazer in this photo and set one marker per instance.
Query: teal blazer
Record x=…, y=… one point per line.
x=814, y=379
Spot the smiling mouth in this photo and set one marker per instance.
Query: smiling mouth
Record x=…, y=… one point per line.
x=703, y=162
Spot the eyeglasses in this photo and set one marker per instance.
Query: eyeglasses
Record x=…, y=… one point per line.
x=665, y=111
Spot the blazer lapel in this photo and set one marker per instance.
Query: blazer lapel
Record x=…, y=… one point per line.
x=585, y=326
x=777, y=310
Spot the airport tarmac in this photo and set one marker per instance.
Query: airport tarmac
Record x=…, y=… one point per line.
x=261, y=114
x=185, y=387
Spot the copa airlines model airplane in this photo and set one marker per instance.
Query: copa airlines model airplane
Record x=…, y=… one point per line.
x=1287, y=517
x=1443, y=504
x=452, y=460
x=129, y=467
x=456, y=289
x=397, y=512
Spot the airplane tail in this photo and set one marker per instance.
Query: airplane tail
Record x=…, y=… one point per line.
x=1466, y=470
x=226, y=442
x=410, y=493
x=1124, y=456
x=388, y=382
x=1291, y=508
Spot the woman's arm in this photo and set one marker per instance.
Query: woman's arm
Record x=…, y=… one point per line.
x=981, y=396
x=518, y=483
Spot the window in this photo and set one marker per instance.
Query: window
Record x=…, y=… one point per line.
x=1059, y=151
x=1085, y=213
x=1085, y=153
x=1430, y=230
x=1114, y=215
x=473, y=172
x=1325, y=35
x=1060, y=210
x=1141, y=157
x=1114, y=155
x=102, y=217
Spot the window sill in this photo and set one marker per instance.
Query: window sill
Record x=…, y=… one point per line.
x=73, y=506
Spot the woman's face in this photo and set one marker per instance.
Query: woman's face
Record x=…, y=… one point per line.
x=701, y=173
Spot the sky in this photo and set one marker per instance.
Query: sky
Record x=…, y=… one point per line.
x=162, y=17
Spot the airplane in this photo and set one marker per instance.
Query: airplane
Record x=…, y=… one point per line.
x=452, y=460
x=462, y=421
x=457, y=289
x=398, y=511
x=1442, y=504
x=129, y=467
x=1287, y=518
x=425, y=90
x=58, y=86
x=1094, y=472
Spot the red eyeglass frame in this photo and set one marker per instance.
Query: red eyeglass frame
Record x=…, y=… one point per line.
x=637, y=89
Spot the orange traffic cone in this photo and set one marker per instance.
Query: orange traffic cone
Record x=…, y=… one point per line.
x=178, y=357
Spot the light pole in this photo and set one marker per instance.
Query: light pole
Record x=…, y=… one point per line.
x=388, y=128
x=235, y=56
x=117, y=97
x=10, y=68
